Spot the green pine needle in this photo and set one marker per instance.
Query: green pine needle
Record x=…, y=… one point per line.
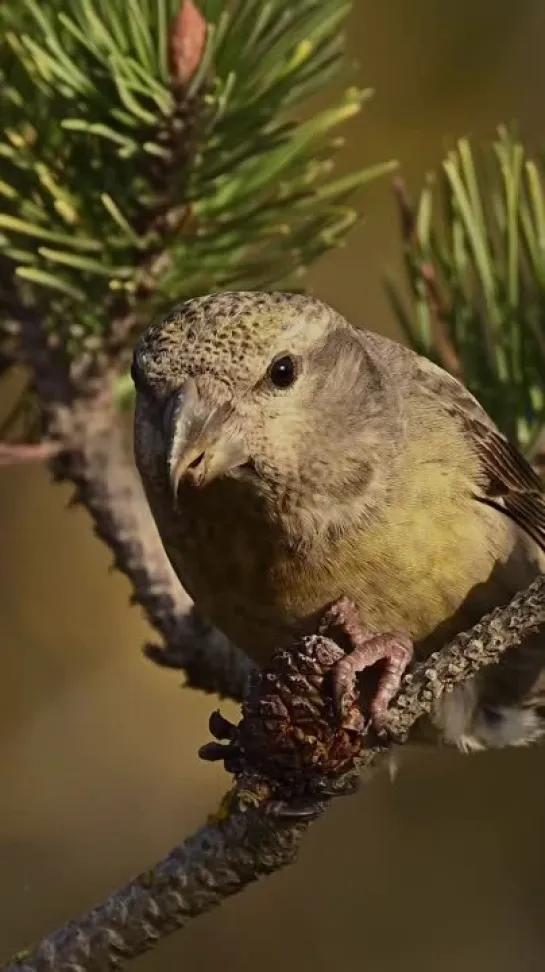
x=475, y=262
x=106, y=178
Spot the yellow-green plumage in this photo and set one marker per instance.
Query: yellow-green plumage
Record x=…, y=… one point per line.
x=376, y=476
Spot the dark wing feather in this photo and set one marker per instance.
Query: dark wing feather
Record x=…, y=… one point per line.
x=509, y=484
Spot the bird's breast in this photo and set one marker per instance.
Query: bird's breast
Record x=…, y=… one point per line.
x=430, y=568
x=226, y=557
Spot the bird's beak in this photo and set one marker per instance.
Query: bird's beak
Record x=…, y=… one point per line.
x=199, y=448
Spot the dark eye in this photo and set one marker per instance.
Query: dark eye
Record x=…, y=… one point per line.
x=284, y=371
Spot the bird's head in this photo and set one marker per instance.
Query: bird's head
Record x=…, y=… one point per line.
x=276, y=391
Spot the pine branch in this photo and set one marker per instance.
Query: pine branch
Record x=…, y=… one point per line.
x=95, y=461
x=13, y=453
x=245, y=842
x=475, y=266
x=79, y=414
x=150, y=153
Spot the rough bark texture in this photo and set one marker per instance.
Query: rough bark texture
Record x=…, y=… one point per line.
x=218, y=861
x=81, y=423
x=245, y=842
x=106, y=484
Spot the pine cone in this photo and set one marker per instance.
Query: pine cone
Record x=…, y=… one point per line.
x=289, y=734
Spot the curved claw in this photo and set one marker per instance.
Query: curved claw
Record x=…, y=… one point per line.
x=297, y=810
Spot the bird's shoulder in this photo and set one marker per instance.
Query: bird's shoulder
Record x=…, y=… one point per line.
x=505, y=480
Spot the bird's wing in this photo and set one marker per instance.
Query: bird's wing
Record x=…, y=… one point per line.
x=509, y=483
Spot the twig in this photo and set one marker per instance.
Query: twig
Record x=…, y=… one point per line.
x=406, y=211
x=16, y=452
x=439, y=311
x=79, y=414
x=218, y=861
x=224, y=856
x=439, y=308
x=97, y=464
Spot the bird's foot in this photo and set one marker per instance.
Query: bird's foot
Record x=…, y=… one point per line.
x=298, y=809
x=392, y=650
x=312, y=807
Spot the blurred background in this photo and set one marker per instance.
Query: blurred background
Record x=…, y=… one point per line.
x=98, y=768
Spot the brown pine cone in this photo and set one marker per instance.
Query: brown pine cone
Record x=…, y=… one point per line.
x=289, y=734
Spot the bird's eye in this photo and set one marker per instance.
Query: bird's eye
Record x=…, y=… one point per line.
x=283, y=371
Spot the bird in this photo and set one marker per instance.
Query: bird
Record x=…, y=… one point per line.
x=292, y=460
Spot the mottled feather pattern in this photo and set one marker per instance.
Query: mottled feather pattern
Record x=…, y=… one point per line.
x=376, y=475
x=225, y=336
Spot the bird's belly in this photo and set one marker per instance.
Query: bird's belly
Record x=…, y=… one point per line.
x=239, y=600
x=429, y=585
x=228, y=571
x=435, y=582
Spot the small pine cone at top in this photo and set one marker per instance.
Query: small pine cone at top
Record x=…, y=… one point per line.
x=289, y=733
